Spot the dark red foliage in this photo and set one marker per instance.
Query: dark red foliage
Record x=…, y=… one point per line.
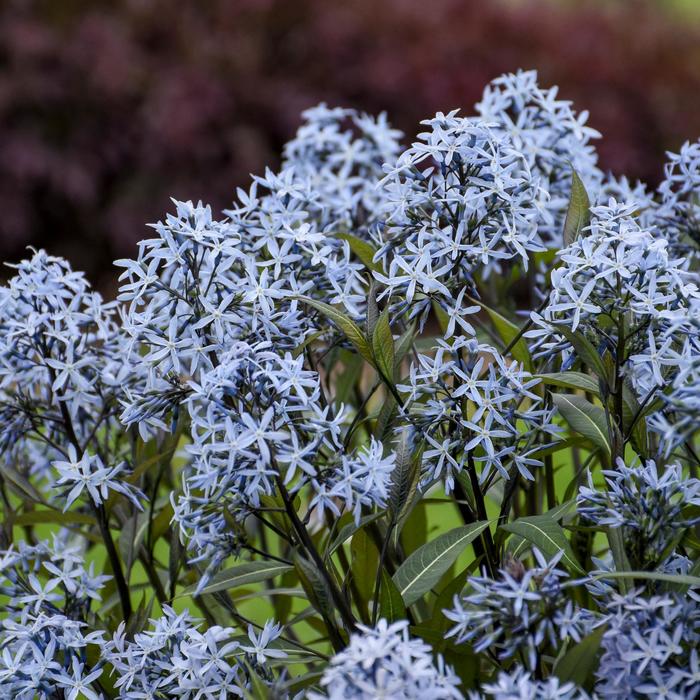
x=107, y=108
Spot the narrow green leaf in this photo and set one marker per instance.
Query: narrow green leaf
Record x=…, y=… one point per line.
x=547, y=535
x=21, y=485
x=586, y=352
x=386, y=416
x=404, y=344
x=579, y=662
x=347, y=531
x=37, y=517
x=571, y=380
x=383, y=346
x=348, y=378
x=678, y=579
x=619, y=554
x=362, y=249
x=424, y=567
x=578, y=214
x=315, y=585
x=405, y=476
x=365, y=560
x=508, y=332
x=350, y=329
x=372, y=313
x=241, y=575
x=391, y=605
x=585, y=418
x=562, y=510
x=299, y=349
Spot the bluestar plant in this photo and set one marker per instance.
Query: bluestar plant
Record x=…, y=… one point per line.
x=401, y=422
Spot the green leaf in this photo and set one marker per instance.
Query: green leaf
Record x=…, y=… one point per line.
x=348, y=378
x=404, y=477
x=586, y=352
x=350, y=329
x=619, y=554
x=372, y=313
x=562, y=510
x=250, y=572
x=37, y=517
x=386, y=416
x=547, y=535
x=299, y=349
x=632, y=411
x=404, y=343
x=678, y=579
x=347, y=531
x=441, y=315
x=579, y=662
x=585, y=418
x=362, y=249
x=508, y=332
x=578, y=215
x=571, y=380
x=20, y=484
x=391, y=605
x=424, y=567
x=315, y=585
x=257, y=689
x=365, y=560
x=383, y=346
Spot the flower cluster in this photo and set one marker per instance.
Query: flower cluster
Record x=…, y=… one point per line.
x=62, y=374
x=650, y=647
x=472, y=404
x=45, y=637
x=383, y=661
x=174, y=658
x=461, y=198
x=650, y=507
x=286, y=403
x=524, y=612
x=620, y=286
x=517, y=684
x=338, y=155
x=552, y=138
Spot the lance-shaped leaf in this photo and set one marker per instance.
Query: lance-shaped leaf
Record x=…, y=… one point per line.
x=38, y=517
x=363, y=250
x=571, y=380
x=404, y=477
x=383, y=347
x=391, y=605
x=365, y=560
x=547, y=535
x=585, y=418
x=586, y=352
x=676, y=579
x=350, y=329
x=509, y=332
x=241, y=575
x=579, y=662
x=404, y=343
x=315, y=585
x=349, y=529
x=578, y=215
x=424, y=567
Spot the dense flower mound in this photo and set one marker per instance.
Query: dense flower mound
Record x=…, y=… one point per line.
x=401, y=422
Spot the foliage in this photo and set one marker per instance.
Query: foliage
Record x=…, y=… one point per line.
x=314, y=450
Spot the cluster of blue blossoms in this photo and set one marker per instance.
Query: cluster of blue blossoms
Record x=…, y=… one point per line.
x=208, y=339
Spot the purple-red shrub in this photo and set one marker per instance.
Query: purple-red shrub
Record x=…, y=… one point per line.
x=108, y=108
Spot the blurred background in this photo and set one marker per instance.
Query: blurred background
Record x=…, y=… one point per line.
x=108, y=108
